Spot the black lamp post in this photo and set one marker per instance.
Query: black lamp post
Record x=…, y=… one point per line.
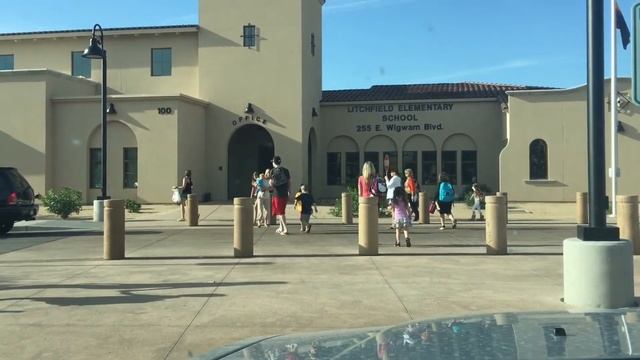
x=96, y=51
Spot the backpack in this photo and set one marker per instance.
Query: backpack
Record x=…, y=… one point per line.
x=382, y=185
x=446, y=193
x=279, y=177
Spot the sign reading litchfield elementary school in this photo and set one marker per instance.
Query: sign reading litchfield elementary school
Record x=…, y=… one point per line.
x=400, y=117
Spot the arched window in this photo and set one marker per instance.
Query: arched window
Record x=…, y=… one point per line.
x=538, y=160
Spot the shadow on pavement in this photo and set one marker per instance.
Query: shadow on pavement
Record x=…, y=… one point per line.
x=128, y=292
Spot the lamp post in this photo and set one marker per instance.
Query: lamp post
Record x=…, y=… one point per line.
x=96, y=51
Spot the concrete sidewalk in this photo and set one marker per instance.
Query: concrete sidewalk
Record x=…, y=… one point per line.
x=180, y=292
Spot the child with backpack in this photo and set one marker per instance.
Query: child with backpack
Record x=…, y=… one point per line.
x=444, y=200
x=401, y=210
x=305, y=205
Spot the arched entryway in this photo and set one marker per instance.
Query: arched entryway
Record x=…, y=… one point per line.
x=250, y=149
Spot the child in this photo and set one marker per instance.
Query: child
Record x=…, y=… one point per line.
x=478, y=196
x=262, y=197
x=304, y=204
x=401, y=214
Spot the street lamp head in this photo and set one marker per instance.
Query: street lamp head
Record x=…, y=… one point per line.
x=94, y=51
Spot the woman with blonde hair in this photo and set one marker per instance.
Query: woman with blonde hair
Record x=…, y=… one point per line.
x=366, y=182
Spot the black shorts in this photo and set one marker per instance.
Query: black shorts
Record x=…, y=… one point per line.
x=445, y=207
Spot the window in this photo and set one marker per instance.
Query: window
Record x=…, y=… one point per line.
x=334, y=168
x=161, y=62
x=6, y=62
x=95, y=168
x=313, y=44
x=469, y=167
x=352, y=162
x=80, y=66
x=249, y=36
x=130, y=168
x=374, y=158
x=538, y=167
x=430, y=167
x=450, y=165
x=410, y=161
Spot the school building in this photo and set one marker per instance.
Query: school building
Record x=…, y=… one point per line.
x=221, y=97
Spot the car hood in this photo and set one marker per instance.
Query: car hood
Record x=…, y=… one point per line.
x=559, y=335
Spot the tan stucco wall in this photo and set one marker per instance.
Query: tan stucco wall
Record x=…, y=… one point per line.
x=560, y=119
x=128, y=60
x=191, y=146
x=156, y=136
x=270, y=76
x=480, y=121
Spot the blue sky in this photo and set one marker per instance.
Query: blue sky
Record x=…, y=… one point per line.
x=369, y=42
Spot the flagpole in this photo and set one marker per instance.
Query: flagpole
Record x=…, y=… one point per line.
x=614, y=110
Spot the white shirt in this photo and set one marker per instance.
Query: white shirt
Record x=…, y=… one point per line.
x=393, y=183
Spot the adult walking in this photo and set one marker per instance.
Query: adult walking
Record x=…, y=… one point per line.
x=411, y=188
x=281, y=183
x=444, y=200
x=187, y=188
x=366, y=181
x=261, y=200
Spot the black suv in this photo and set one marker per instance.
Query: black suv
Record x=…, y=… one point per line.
x=16, y=199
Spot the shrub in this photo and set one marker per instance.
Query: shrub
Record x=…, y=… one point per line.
x=355, y=202
x=468, y=194
x=63, y=202
x=132, y=206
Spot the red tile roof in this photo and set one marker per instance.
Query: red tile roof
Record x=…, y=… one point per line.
x=465, y=90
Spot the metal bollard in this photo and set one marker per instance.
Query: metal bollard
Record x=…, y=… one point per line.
x=628, y=220
x=192, y=210
x=506, y=205
x=423, y=208
x=496, y=226
x=347, y=208
x=582, y=214
x=242, y=227
x=113, y=233
x=368, y=226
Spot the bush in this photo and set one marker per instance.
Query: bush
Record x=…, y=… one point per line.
x=355, y=202
x=132, y=206
x=468, y=194
x=63, y=202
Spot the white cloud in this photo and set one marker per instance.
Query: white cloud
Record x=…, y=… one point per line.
x=512, y=64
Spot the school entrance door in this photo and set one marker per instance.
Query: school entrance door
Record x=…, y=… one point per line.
x=250, y=149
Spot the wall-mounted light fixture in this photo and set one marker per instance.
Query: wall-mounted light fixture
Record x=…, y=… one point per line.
x=249, y=109
x=314, y=113
x=111, y=110
x=620, y=128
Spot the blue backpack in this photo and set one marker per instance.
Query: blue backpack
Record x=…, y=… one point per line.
x=446, y=193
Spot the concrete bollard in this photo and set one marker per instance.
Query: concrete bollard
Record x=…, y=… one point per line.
x=628, y=220
x=98, y=210
x=368, y=226
x=192, y=213
x=347, y=208
x=113, y=234
x=582, y=214
x=242, y=227
x=423, y=208
x=506, y=205
x=496, y=226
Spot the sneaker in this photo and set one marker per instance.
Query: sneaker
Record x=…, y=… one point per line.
x=455, y=224
x=308, y=228
x=180, y=220
x=442, y=227
x=408, y=241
